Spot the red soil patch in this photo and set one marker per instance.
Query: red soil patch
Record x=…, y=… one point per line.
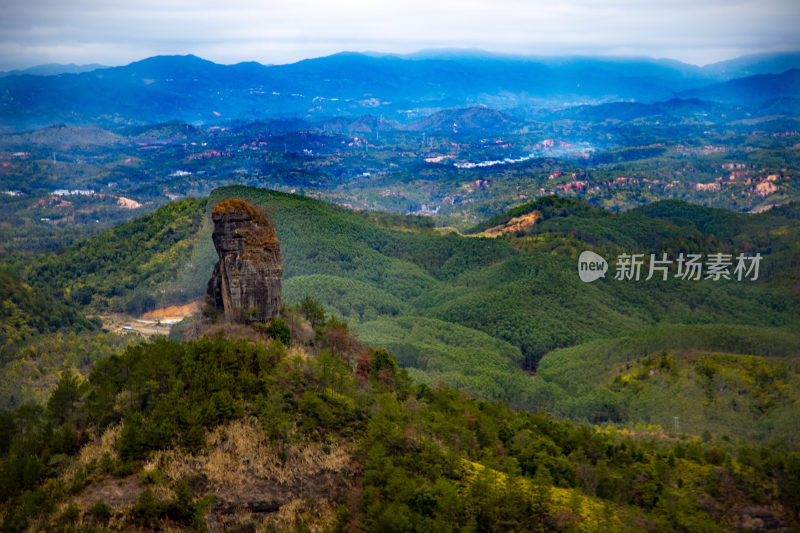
x=175, y=312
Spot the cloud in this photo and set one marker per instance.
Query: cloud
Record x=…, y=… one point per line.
x=113, y=32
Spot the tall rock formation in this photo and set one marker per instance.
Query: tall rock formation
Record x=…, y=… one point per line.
x=246, y=282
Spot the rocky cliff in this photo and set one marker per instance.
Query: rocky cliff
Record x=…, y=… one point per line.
x=246, y=282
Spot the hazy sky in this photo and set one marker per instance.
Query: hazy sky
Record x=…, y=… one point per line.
x=228, y=31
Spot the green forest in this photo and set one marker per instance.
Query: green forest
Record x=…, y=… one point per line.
x=383, y=453
x=26, y=313
x=450, y=382
x=478, y=314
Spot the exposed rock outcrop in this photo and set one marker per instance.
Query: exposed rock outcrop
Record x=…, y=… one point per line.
x=246, y=282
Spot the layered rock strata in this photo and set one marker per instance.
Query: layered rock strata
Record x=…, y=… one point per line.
x=246, y=282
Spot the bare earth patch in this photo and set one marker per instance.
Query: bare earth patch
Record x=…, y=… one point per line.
x=520, y=223
x=173, y=312
x=155, y=322
x=114, y=492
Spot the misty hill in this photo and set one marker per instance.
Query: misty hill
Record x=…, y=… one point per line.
x=753, y=89
x=364, y=124
x=471, y=119
x=53, y=69
x=193, y=90
x=63, y=137
x=166, y=132
x=740, y=67
x=674, y=110
x=750, y=65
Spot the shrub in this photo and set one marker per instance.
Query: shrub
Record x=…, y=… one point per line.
x=278, y=330
x=71, y=515
x=148, y=510
x=100, y=512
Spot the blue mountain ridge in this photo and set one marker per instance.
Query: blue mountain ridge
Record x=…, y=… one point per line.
x=194, y=90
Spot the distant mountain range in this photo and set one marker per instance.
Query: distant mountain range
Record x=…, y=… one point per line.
x=760, y=87
x=53, y=69
x=394, y=88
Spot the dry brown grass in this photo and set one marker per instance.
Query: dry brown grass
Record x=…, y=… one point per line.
x=235, y=330
x=241, y=467
x=316, y=515
x=93, y=451
x=299, y=351
x=302, y=332
x=240, y=453
x=260, y=233
x=119, y=494
x=236, y=205
x=244, y=470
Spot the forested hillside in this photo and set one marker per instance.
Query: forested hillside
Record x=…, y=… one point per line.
x=614, y=405
x=476, y=313
x=244, y=435
x=41, y=337
x=706, y=375
x=26, y=312
x=125, y=268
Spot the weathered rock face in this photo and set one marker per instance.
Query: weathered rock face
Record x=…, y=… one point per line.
x=247, y=278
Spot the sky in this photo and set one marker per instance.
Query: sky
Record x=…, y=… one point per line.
x=111, y=32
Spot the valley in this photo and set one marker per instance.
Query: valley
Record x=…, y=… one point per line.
x=730, y=143
x=433, y=360
x=471, y=312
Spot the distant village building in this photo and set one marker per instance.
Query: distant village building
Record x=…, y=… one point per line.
x=73, y=192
